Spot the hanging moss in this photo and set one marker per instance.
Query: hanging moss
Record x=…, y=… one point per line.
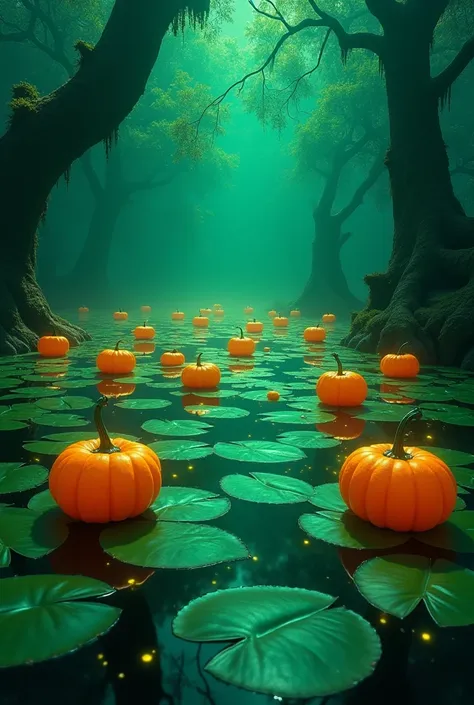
x=194, y=12
x=67, y=175
x=445, y=99
x=24, y=102
x=110, y=141
x=381, y=67
x=84, y=49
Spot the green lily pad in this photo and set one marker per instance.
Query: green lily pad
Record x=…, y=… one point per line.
x=31, y=534
x=74, y=436
x=7, y=423
x=181, y=450
x=267, y=488
x=42, y=502
x=217, y=412
x=34, y=392
x=8, y=383
x=143, y=404
x=308, y=439
x=319, y=652
x=52, y=610
x=189, y=504
x=381, y=411
x=456, y=534
x=167, y=544
x=258, y=452
x=76, y=383
x=464, y=392
x=16, y=477
x=61, y=420
x=163, y=427
x=397, y=584
x=451, y=457
x=303, y=418
x=206, y=394
x=261, y=395
x=448, y=413
x=133, y=379
x=328, y=497
x=65, y=403
x=464, y=476
x=45, y=447
x=347, y=530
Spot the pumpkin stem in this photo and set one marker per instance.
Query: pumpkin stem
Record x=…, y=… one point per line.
x=144, y=324
x=198, y=361
x=106, y=445
x=398, y=451
x=401, y=348
x=241, y=332
x=117, y=345
x=340, y=371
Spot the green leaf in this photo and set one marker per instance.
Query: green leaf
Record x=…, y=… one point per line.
x=206, y=394
x=451, y=457
x=328, y=497
x=217, y=412
x=16, y=477
x=181, y=450
x=349, y=531
x=45, y=616
x=298, y=418
x=381, y=411
x=308, y=439
x=189, y=504
x=267, y=488
x=65, y=403
x=456, y=534
x=464, y=476
x=34, y=392
x=143, y=404
x=133, y=379
x=74, y=436
x=5, y=556
x=258, y=452
x=166, y=544
x=397, y=584
x=284, y=641
x=261, y=395
x=45, y=447
x=8, y=423
x=32, y=534
x=163, y=427
x=449, y=414
x=42, y=502
x=61, y=420
x=464, y=392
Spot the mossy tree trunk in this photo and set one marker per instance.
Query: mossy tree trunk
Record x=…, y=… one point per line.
x=47, y=135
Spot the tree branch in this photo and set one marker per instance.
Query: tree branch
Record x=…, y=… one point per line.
x=277, y=16
x=360, y=193
x=383, y=10
x=347, y=40
x=443, y=81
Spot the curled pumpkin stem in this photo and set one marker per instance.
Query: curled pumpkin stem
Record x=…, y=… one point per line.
x=119, y=342
x=401, y=348
x=241, y=332
x=397, y=451
x=340, y=371
x=106, y=445
x=198, y=361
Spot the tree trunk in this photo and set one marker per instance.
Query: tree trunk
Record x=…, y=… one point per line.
x=46, y=136
x=427, y=295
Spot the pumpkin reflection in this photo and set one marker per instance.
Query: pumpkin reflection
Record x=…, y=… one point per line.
x=196, y=400
x=82, y=554
x=315, y=360
x=111, y=388
x=393, y=389
x=343, y=427
x=144, y=348
x=171, y=374
x=240, y=368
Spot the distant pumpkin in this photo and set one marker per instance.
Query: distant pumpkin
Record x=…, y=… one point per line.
x=115, y=361
x=295, y=313
x=241, y=346
x=329, y=318
x=280, y=321
x=341, y=388
x=273, y=395
x=144, y=348
x=200, y=321
x=83, y=309
x=402, y=366
x=144, y=332
x=254, y=326
x=314, y=334
x=217, y=306
x=272, y=313
x=174, y=358
x=219, y=312
x=266, y=350
x=145, y=309
x=201, y=375
x=177, y=316
x=53, y=346
x=248, y=310
x=120, y=315
x=205, y=311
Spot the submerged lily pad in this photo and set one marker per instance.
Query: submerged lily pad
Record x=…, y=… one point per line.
x=258, y=452
x=267, y=488
x=163, y=427
x=16, y=477
x=181, y=450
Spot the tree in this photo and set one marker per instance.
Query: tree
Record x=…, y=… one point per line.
x=46, y=134
x=426, y=297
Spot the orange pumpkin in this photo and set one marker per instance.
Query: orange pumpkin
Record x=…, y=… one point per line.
x=329, y=318
x=172, y=359
x=314, y=334
x=248, y=310
x=295, y=313
x=273, y=395
x=53, y=346
x=120, y=315
x=201, y=376
x=400, y=366
x=177, y=316
x=144, y=348
x=219, y=312
x=280, y=321
x=201, y=321
x=343, y=427
x=272, y=313
x=115, y=361
x=112, y=388
x=144, y=332
x=205, y=311
x=83, y=309
x=217, y=306
x=105, y=479
x=254, y=326
x=145, y=309
x=242, y=346
x=403, y=489
x=341, y=388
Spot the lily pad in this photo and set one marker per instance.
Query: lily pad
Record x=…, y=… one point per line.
x=143, y=404
x=31, y=534
x=189, y=504
x=329, y=497
x=181, y=450
x=42, y=502
x=456, y=534
x=217, y=412
x=8, y=423
x=347, y=530
x=74, y=436
x=308, y=439
x=267, y=488
x=65, y=403
x=451, y=457
x=464, y=476
x=381, y=411
x=318, y=651
x=163, y=427
x=258, y=452
x=303, y=418
x=61, y=420
x=448, y=413
x=16, y=477
x=35, y=392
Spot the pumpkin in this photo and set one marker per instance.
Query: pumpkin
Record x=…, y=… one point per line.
x=217, y=306
x=242, y=346
x=116, y=362
x=280, y=321
x=201, y=376
x=205, y=311
x=343, y=427
x=403, y=489
x=272, y=313
x=254, y=326
x=219, y=312
x=248, y=310
x=295, y=313
x=329, y=318
x=172, y=359
x=266, y=350
x=120, y=315
x=83, y=309
x=112, y=388
x=145, y=309
x=341, y=388
x=314, y=334
x=144, y=332
x=144, y=348
x=53, y=346
x=401, y=366
x=105, y=479
x=201, y=321
x=272, y=395
x=177, y=316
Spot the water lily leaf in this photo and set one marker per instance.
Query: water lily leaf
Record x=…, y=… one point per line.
x=31, y=534
x=133, y=379
x=163, y=427
x=206, y=394
x=258, y=452
x=464, y=476
x=143, y=404
x=303, y=418
x=329, y=497
x=164, y=385
x=181, y=450
x=347, y=530
x=7, y=423
x=261, y=395
x=52, y=611
x=380, y=411
x=217, y=412
x=397, y=584
x=166, y=544
x=8, y=383
x=45, y=447
x=76, y=383
x=318, y=651
x=451, y=457
x=449, y=414
x=74, y=436
x=460, y=504
x=42, y=502
x=267, y=488
x=5, y=555
x=61, y=420
x=16, y=477
x=308, y=439
x=65, y=403
x=189, y=504
x=464, y=392
x=456, y=534
x=34, y=392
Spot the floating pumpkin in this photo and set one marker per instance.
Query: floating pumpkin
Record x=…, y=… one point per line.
x=120, y=315
x=272, y=313
x=273, y=395
x=105, y=479
x=329, y=318
x=248, y=310
x=144, y=332
x=205, y=311
x=280, y=321
x=343, y=427
x=295, y=313
x=219, y=312
x=241, y=346
x=53, y=346
x=400, y=366
x=201, y=321
x=217, y=306
x=403, y=489
x=174, y=358
x=201, y=375
x=341, y=388
x=115, y=361
x=144, y=348
x=254, y=326
x=83, y=309
x=112, y=388
x=145, y=309
x=177, y=316
x=314, y=334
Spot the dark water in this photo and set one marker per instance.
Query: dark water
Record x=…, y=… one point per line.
x=140, y=659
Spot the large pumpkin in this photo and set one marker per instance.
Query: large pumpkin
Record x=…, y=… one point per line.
x=400, y=366
x=105, y=479
x=53, y=346
x=115, y=361
x=144, y=332
x=341, y=388
x=241, y=346
x=403, y=489
x=177, y=316
x=173, y=358
x=314, y=334
x=200, y=321
x=201, y=376
x=254, y=326
x=280, y=321
x=120, y=315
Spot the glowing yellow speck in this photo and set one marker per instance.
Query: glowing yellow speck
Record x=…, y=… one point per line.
x=382, y=620
x=425, y=636
x=105, y=663
x=190, y=467
x=100, y=656
x=146, y=658
x=429, y=438
x=131, y=581
x=120, y=675
x=255, y=558
x=306, y=542
x=174, y=475
x=214, y=582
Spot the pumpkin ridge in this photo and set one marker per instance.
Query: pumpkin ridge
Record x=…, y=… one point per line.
x=75, y=495
x=442, y=493
x=387, y=491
